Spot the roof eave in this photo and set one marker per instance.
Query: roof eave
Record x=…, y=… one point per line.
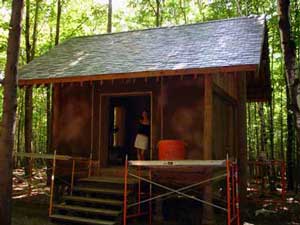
x=142, y=74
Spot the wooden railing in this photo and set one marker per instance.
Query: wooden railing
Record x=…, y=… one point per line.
x=63, y=167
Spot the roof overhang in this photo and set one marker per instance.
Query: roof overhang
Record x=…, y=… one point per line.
x=143, y=74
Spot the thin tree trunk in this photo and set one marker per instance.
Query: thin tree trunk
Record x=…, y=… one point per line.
x=256, y=131
x=238, y=8
x=30, y=53
x=288, y=47
x=262, y=128
x=297, y=38
x=290, y=148
x=57, y=33
x=34, y=33
x=20, y=125
x=271, y=131
x=182, y=7
x=281, y=126
x=28, y=91
x=27, y=31
x=109, y=16
x=49, y=95
x=9, y=112
x=157, y=14
x=249, y=131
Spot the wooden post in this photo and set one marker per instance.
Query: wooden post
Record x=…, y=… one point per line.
x=150, y=196
x=237, y=194
x=92, y=124
x=90, y=164
x=72, y=178
x=55, y=113
x=30, y=177
x=228, y=191
x=52, y=184
x=125, y=192
x=207, y=120
x=162, y=102
x=207, y=143
x=242, y=141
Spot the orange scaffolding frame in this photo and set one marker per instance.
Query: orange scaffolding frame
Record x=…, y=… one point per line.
x=231, y=174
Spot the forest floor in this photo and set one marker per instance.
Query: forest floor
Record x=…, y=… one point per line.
x=34, y=211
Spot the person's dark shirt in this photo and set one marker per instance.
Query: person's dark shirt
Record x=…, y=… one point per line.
x=144, y=129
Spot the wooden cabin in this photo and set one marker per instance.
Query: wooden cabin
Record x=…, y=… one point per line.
x=194, y=80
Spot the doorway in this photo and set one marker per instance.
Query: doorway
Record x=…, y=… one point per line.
x=124, y=113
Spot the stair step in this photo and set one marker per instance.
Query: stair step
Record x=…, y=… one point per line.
x=113, y=180
x=106, y=212
x=82, y=220
x=94, y=200
x=100, y=190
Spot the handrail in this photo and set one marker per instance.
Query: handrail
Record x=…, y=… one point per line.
x=49, y=156
x=76, y=161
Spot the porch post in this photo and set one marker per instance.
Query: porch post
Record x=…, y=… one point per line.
x=28, y=126
x=207, y=216
x=242, y=141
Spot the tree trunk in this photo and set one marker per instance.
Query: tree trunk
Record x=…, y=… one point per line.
x=290, y=149
x=109, y=16
x=281, y=126
x=28, y=125
x=249, y=132
x=9, y=112
x=57, y=33
x=157, y=14
x=20, y=124
x=30, y=53
x=262, y=128
x=256, y=131
x=182, y=8
x=27, y=31
x=288, y=47
x=34, y=33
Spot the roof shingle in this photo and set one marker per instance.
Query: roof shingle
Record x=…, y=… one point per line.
x=221, y=43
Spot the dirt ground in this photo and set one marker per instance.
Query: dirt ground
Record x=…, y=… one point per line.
x=35, y=212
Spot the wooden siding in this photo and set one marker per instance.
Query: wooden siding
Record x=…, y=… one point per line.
x=184, y=108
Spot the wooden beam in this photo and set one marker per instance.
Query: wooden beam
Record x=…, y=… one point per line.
x=55, y=114
x=142, y=74
x=242, y=141
x=207, y=142
x=208, y=116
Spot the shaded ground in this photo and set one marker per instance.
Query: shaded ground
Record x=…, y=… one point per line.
x=35, y=212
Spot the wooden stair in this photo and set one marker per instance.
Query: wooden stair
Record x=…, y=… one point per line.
x=76, y=219
x=95, y=200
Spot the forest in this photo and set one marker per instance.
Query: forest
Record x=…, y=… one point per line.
x=271, y=127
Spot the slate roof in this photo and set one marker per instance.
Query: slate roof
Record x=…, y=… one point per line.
x=221, y=43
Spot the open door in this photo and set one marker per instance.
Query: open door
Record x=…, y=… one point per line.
x=120, y=117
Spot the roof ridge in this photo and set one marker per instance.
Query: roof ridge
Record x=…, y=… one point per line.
x=172, y=26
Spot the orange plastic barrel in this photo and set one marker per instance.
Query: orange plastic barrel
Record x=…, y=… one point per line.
x=171, y=150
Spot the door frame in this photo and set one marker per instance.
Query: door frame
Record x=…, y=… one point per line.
x=123, y=94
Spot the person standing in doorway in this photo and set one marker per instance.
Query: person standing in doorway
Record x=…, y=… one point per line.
x=142, y=138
